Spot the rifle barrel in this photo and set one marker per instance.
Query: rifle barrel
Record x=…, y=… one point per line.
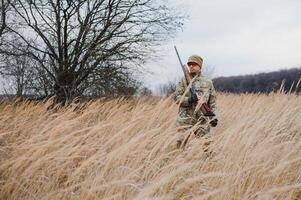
x=181, y=64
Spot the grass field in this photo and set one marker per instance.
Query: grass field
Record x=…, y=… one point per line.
x=125, y=149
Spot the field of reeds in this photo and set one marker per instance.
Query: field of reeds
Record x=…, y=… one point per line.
x=125, y=149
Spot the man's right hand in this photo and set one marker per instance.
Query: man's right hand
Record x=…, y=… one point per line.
x=213, y=123
x=193, y=99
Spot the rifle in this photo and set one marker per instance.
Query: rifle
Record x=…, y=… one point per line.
x=201, y=105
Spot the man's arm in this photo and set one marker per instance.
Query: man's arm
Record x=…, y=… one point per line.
x=212, y=100
x=180, y=89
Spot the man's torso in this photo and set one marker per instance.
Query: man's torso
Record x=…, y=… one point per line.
x=187, y=116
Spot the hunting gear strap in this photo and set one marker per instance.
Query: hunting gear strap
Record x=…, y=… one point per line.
x=188, y=82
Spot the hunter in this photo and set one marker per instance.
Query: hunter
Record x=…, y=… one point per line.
x=204, y=92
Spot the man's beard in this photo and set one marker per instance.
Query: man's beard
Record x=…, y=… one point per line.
x=193, y=74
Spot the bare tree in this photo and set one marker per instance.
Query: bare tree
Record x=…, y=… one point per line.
x=15, y=71
x=110, y=80
x=3, y=9
x=144, y=91
x=22, y=73
x=72, y=40
x=168, y=88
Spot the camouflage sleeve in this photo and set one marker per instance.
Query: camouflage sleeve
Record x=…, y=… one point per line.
x=212, y=100
x=180, y=89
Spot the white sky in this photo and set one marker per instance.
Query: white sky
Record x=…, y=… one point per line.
x=234, y=37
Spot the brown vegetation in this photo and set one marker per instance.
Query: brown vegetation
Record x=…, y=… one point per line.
x=124, y=149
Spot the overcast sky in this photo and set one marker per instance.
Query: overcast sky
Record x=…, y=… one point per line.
x=234, y=37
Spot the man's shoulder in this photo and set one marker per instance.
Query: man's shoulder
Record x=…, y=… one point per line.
x=204, y=79
x=181, y=83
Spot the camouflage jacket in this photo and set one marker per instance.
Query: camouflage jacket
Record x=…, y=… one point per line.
x=204, y=87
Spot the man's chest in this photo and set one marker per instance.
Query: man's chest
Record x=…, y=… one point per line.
x=202, y=88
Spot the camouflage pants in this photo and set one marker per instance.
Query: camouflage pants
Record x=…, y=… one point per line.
x=198, y=128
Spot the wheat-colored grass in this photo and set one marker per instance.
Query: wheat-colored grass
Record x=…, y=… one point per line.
x=125, y=149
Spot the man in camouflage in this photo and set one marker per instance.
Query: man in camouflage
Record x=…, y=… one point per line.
x=188, y=116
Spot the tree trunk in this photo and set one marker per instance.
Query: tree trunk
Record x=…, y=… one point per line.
x=65, y=87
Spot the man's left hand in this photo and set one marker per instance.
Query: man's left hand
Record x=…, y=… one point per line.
x=213, y=123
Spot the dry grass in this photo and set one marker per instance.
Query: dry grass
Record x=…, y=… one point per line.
x=124, y=149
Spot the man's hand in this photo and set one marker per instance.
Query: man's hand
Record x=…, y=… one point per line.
x=213, y=123
x=193, y=99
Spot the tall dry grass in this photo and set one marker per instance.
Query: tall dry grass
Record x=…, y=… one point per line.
x=124, y=149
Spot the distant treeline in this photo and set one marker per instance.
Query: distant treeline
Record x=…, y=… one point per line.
x=286, y=80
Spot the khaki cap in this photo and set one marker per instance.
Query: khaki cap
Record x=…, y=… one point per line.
x=195, y=59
